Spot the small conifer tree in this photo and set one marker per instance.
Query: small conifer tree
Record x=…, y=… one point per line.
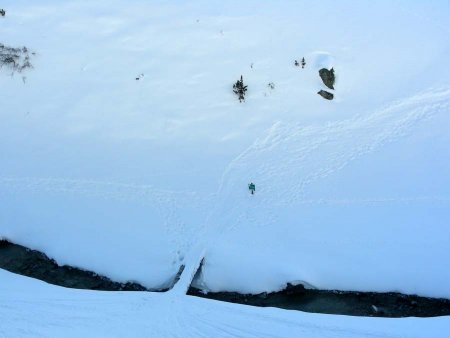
x=239, y=89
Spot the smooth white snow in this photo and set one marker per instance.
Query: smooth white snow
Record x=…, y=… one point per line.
x=30, y=308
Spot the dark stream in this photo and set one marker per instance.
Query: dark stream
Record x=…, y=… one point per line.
x=18, y=259
x=370, y=304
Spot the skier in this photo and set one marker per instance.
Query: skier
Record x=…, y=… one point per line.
x=252, y=187
x=303, y=63
x=296, y=63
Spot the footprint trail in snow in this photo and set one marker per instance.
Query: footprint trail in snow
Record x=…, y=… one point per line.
x=290, y=156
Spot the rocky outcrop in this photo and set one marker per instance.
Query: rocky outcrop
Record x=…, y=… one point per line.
x=325, y=94
x=294, y=289
x=18, y=259
x=327, y=77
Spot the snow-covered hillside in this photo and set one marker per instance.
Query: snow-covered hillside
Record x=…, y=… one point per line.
x=125, y=151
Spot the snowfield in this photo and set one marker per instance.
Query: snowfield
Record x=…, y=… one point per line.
x=30, y=308
x=124, y=151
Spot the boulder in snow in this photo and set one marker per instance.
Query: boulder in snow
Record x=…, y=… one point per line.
x=327, y=77
x=325, y=94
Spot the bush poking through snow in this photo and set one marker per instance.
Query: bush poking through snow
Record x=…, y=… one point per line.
x=239, y=89
x=16, y=59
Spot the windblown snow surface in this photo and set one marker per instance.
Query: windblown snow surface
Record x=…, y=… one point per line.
x=125, y=151
x=31, y=308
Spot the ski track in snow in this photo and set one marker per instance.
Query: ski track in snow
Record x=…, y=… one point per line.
x=191, y=319
x=303, y=155
x=150, y=315
x=306, y=154
x=287, y=153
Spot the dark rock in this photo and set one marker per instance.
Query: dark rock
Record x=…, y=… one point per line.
x=262, y=295
x=327, y=77
x=18, y=259
x=325, y=94
x=294, y=289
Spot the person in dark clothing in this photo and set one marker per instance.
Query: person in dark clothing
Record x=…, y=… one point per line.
x=252, y=187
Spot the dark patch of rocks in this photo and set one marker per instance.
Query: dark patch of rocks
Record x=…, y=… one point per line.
x=294, y=289
x=327, y=77
x=370, y=304
x=325, y=94
x=18, y=259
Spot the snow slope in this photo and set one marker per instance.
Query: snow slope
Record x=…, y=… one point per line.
x=30, y=308
x=131, y=178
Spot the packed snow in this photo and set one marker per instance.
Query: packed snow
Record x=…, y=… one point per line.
x=31, y=308
x=124, y=151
